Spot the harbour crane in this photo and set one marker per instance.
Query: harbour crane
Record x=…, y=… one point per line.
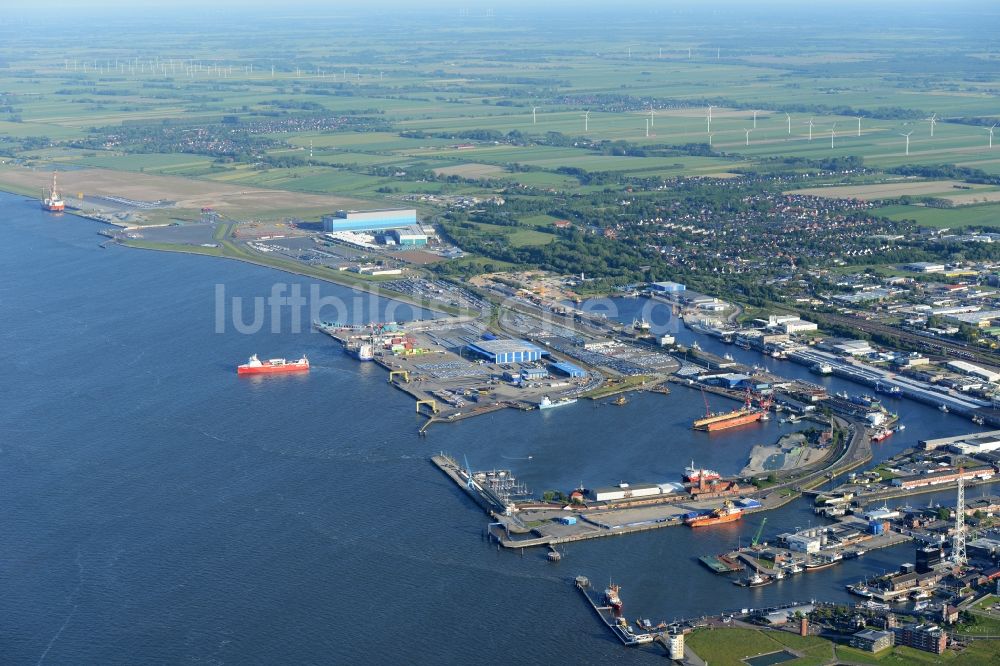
x=760, y=530
x=468, y=471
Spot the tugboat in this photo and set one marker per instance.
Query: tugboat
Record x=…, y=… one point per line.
x=620, y=401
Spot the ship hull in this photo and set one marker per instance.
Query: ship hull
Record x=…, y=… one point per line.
x=715, y=520
x=272, y=369
x=733, y=422
x=54, y=207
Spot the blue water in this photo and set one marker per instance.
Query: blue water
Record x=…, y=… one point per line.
x=158, y=509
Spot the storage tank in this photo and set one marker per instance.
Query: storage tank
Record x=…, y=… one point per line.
x=875, y=527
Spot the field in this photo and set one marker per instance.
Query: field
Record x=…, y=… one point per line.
x=950, y=218
x=189, y=195
x=463, y=111
x=893, y=190
x=729, y=646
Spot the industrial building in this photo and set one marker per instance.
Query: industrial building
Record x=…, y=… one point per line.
x=408, y=237
x=354, y=220
x=625, y=491
x=507, y=351
x=871, y=640
x=798, y=326
x=667, y=287
x=533, y=374
x=924, y=267
x=974, y=370
x=569, y=369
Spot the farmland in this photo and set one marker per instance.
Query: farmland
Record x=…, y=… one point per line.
x=556, y=119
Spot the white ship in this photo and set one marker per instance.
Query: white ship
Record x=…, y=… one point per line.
x=547, y=403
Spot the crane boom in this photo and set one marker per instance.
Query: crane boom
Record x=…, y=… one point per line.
x=760, y=530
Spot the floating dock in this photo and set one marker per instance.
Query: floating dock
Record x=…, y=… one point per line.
x=720, y=564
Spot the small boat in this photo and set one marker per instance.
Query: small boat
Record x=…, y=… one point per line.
x=978, y=420
x=944, y=408
x=901, y=427
x=795, y=569
x=620, y=401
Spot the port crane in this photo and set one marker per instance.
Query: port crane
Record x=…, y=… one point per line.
x=468, y=471
x=760, y=530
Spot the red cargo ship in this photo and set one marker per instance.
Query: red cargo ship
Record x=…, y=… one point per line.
x=727, y=514
x=272, y=366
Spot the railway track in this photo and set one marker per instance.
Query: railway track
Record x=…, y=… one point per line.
x=943, y=348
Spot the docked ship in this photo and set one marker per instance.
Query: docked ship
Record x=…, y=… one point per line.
x=861, y=590
x=694, y=474
x=611, y=597
x=742, y=416
x=882, y=435
x=756, y=580
x=726, y=514
x=548, y=403
x=53, y=202
x=822, y=368
x=363, y=351
x=888, y=389
x=272, y=366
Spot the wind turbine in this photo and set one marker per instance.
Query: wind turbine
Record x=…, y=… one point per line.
x=534, y=119
x=755, y=119
x=647, y=128
x=990, y=130
x=586, y=121
x=933, y=120
x=810, y=123
x=748, y=134
x=708, y=119
x=859, y=125
x=652, y=115
x=833, y=133
x=788, y=117
x=907, y=135
x=709, y=140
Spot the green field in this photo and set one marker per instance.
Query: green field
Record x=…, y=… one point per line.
x=951, y=218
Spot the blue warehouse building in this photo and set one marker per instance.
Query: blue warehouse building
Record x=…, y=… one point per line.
x=368, y=220
x=568, y=369
x=507, y=351
x=667, y=287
